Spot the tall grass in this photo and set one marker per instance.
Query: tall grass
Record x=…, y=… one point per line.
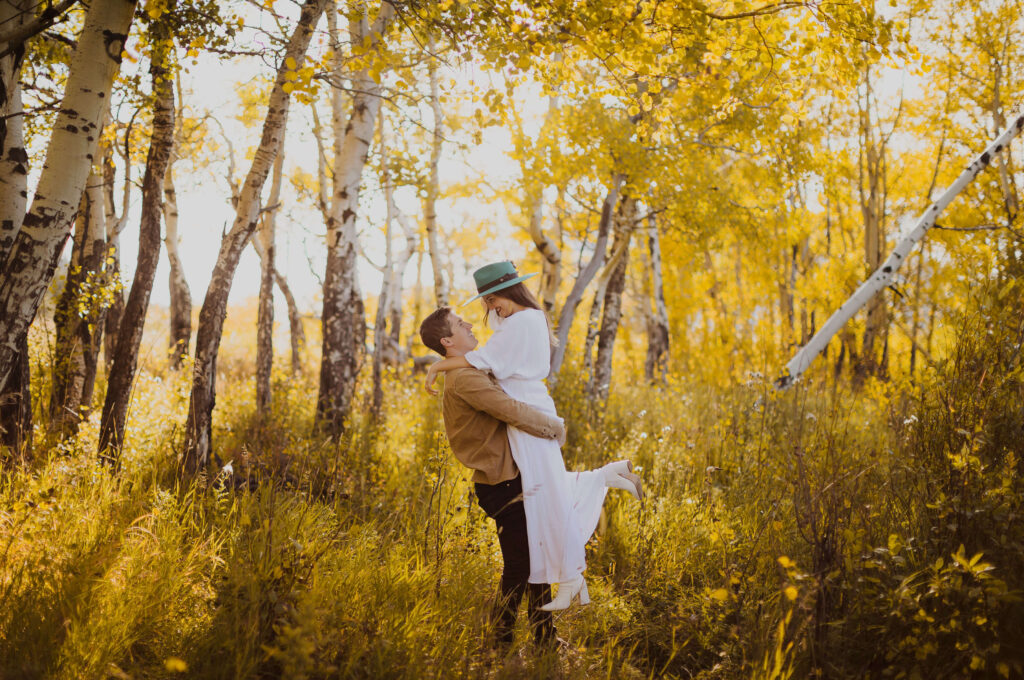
x=818, y=532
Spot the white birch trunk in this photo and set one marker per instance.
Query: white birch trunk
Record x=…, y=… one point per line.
x=586, y=276
x=15, y=397
x=181, y=296
x=433, y=185
x=198, y=429
x=115, y=225
x=612, y=307
x=13, y=156
x=657, y=322
x=395, y=286
x=297, y=334
x=883, y=276
x=27, y=271
x=265, y=317
x=343, y=319
x=596, y=308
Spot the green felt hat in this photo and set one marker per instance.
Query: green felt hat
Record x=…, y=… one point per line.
x=494, y=277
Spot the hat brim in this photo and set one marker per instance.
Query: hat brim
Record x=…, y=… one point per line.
x=501, y=286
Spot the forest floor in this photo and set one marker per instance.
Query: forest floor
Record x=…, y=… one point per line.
x=817, y=532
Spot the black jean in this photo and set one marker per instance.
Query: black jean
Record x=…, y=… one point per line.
x=503, y=502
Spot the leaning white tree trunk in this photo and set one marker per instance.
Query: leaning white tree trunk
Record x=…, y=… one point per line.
x=586, y=276
x=198, y=428
x=343, y=319
x=29, y=266
x=883, y=275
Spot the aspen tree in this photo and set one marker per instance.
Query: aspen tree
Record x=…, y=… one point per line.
x=433, y=188
x=386, y=348
x=15, y=397
x=181, y=297
x=342, y=319
x=78, y=315
x=31, y=256
x=129, y=333
x=586, y=275
x=198, y=428
x=115, y=225
x=883, y=276
x=611, y=314
x=265, y=236
x=656, y=319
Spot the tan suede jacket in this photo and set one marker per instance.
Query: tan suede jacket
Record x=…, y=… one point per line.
x=477, y=413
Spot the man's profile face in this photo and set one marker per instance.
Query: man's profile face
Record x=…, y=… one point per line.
x=462, y=339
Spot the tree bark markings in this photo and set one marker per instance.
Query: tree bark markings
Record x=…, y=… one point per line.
x=612, y=307
x=343, y=318
x=265, y=316
x=15, y=397
x=181, y=297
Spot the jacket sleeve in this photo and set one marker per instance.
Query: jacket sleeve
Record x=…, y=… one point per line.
x=480, y=393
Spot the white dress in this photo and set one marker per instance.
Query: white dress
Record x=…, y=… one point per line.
x=562, y=508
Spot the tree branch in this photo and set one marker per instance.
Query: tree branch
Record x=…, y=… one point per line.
x=48, y=17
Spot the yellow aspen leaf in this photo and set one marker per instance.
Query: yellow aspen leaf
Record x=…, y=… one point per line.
x=720, y=594
x=786, y=562
x=288, y=87
x=291, y=63
x=633, y=110
x=791, y=593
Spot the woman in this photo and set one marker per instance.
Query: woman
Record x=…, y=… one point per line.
x=562, y=508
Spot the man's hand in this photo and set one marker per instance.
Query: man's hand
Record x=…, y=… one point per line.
x=560, y=434
x=431, y=379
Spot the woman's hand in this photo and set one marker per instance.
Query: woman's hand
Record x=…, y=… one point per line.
x=431, y=379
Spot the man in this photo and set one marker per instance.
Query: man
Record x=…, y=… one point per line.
x=476, y=415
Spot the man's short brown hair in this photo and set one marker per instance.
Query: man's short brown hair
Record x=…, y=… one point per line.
x=435, y=327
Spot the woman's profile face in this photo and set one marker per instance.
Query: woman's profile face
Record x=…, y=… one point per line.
x=503, y=307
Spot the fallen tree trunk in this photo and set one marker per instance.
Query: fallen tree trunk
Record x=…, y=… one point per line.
x=883, y=275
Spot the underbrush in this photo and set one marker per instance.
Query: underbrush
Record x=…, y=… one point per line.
x=817, y=532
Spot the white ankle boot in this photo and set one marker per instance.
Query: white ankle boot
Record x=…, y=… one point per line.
x=567, y=592
x=619, y=475
x=617, y=468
